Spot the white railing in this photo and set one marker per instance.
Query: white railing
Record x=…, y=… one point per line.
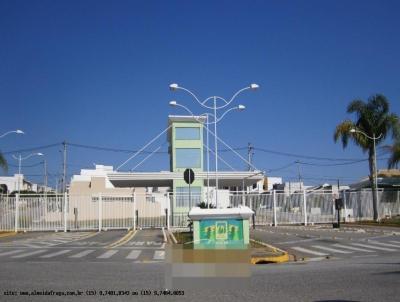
x=65, y=212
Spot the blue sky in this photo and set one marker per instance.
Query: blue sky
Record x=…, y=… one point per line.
x=97, y=73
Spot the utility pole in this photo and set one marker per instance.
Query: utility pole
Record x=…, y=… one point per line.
x=64, y=182
x=298, y=170
x=250, y=153
x=45, y=176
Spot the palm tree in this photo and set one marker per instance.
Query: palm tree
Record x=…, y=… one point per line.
x=375, y=120
x=3, y=162
x=394, y=158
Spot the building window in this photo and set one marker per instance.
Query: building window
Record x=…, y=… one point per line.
x=188, y=157
x=184, y=200
x=187, y=133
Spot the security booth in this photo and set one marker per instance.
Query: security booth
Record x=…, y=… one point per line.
x=221, y=228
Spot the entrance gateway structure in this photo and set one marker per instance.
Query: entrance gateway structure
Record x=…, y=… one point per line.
x=158, y=193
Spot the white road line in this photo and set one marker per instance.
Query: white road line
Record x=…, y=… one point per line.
x=331, y=249
x=107, y=254
x=368, y=246
x=46, y=243
x=393, y=241
x=384, y=244
x=82, y=254
x=159, y=255
x=55, y=254
x=133, y=254
x=301, y=249
x=29, y=254
x=10, y=252
x=353, y=248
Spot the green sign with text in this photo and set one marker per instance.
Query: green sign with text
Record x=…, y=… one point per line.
x=221, y=232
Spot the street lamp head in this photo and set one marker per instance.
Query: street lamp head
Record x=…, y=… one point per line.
x=254, y=86
x=172, y=103
x=18, y=131
x=39, y=154
x=352, y=130
x=173, y=86
x=241, y=107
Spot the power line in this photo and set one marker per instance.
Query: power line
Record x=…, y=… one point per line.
x=303, y=156
x=26, y=166
x=33, y=148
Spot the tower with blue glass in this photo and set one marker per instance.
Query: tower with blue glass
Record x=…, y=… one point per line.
x=186, y=151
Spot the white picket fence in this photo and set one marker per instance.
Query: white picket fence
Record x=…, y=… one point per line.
x=66, y=212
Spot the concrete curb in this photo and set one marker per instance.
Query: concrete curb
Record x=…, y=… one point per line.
x=280, y=257
x=3, y=235
x=123, y=240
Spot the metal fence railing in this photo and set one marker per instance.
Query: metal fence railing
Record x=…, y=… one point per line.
x=66, y=212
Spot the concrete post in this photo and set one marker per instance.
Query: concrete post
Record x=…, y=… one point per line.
x=100, y=212
x=274, y=205
x=66, y=201
x=16, y=212
x=344, y=205
x=305, y=206
x=168, y=209
x=134, y=210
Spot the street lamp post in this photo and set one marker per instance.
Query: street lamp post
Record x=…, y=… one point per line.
x=12, y=131
x=20, y=159
x=214, y=107
x=375, y=181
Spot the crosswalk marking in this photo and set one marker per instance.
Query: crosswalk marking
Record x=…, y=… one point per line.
x=108, y=254
x=10, y=252
x=82, y=254
x=159, y=255
x=374, y=247
x=133, y=254
x=385, y=244
x=353, y=248
x=393, y=241
x=29, y=254
x=55, y=254
x=307, y=251
x=329, y=249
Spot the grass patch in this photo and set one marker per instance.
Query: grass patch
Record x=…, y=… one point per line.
x=393, y=221
x=183, y=237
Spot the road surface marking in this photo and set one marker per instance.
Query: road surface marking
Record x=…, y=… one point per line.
x=301, y=249
x=331, y=249
x=82, y=254
x=107, y=254
x=29, y=254
x=159, y=255
x=10, y=252
x=55, y=254
x=384, y=244
x=298, y=241
x=394, y=241
x=374, y=247
x=133, y=254
x=352, y=248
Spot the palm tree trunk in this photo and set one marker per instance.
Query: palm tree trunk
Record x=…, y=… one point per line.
x=372, y=174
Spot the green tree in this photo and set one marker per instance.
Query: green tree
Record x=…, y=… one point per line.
x=394, y=158
x=3, y=162
x=375, y=120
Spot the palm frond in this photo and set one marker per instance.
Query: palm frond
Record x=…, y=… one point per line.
x=394, y=158
x=3, y=163
x=342, y=131
x=356, y=106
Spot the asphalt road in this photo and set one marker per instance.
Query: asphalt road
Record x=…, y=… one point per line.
x=314, y=243
x=367, y=278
